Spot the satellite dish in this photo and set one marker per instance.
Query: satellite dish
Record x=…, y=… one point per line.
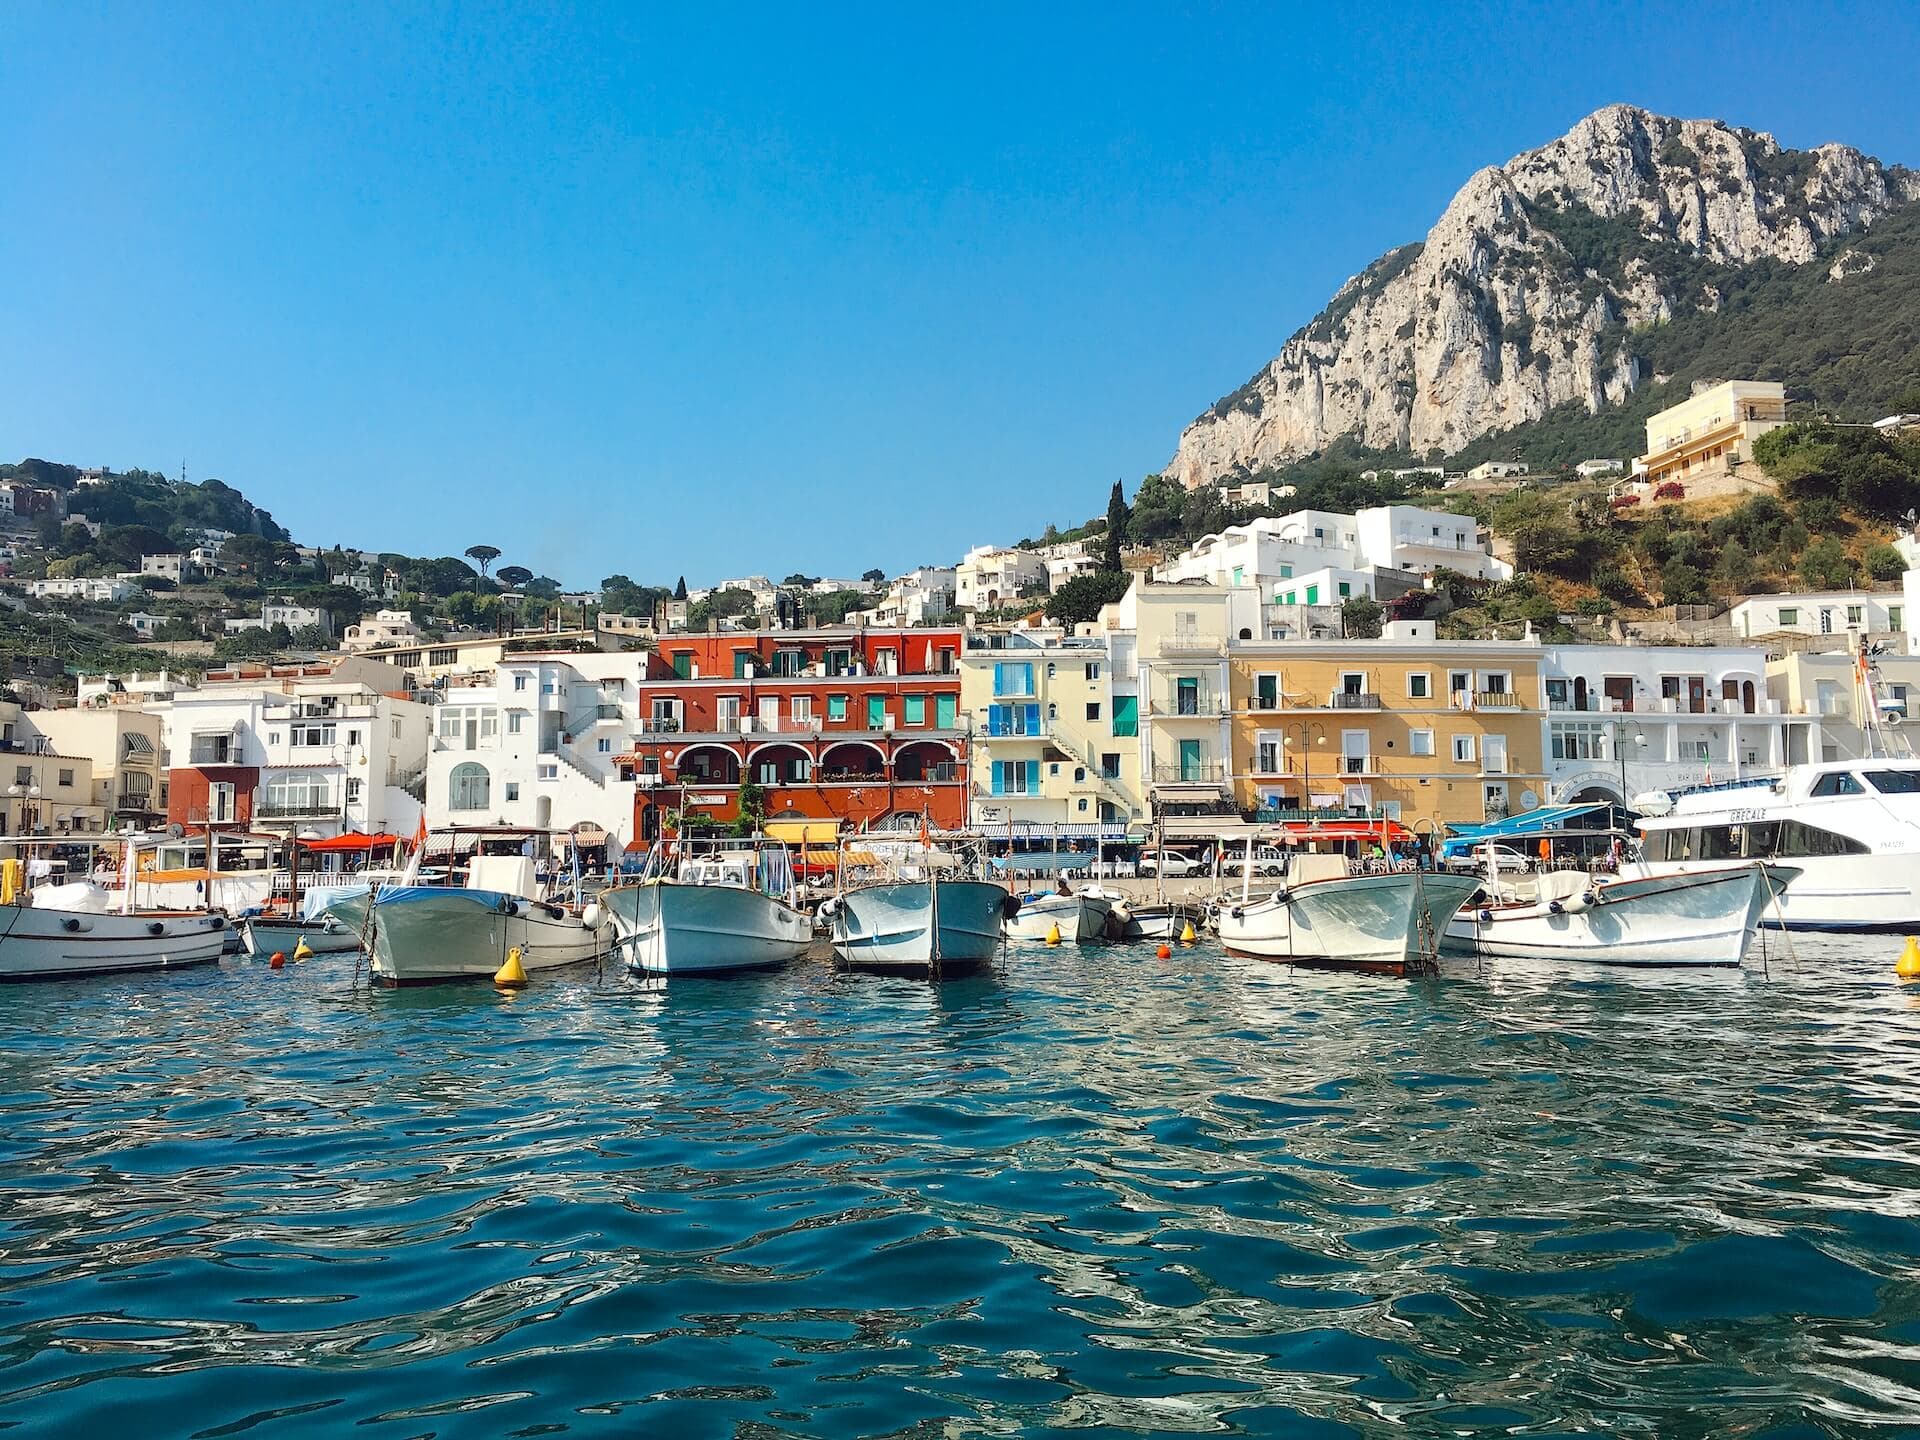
x=176, y=830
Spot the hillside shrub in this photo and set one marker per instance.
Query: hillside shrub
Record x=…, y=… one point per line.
x=1885, y=563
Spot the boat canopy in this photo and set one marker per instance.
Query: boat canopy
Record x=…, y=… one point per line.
x=1547, y=820
x=353, y=841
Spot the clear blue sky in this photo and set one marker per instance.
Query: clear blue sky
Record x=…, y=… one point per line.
x=762, y=289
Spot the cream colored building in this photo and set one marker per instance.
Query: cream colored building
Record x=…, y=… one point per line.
x=467, y=657
x=1704, y=433
x=1826, y=710
x=124, y=749
x=43, y=791
x=387, y=628
x=1180, y=688
x=1055, y=738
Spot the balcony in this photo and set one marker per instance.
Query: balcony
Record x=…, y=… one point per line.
x=1187, y=705
x=1202, y=773
x=1496, y=700
x=1191, y=642
x=1357, y=765
x=1353, y=700
x=142, y=802
x=305, y=810
x=1022, y=730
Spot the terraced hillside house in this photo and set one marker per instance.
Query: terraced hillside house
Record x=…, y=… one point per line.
x=1056, y=734
x=1407, y=727
x=855, y=725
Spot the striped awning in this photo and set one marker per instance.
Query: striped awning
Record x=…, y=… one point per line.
x=1042, y=830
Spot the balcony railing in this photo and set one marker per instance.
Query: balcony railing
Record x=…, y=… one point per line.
x=1352, y=700
x=1191, y=642
x=1206, y=704
x=305, y=810
x=1496, y=700
x=1203, y=773
x=137, y=802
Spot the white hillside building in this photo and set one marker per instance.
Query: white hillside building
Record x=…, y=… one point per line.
x=993, y=575
x=538, y=745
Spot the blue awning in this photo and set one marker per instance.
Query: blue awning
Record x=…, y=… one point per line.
x=1547, y=820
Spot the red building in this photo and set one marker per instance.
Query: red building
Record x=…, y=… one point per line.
x=858, y=726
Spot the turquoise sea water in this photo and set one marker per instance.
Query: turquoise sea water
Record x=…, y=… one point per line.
x=1094, y=1191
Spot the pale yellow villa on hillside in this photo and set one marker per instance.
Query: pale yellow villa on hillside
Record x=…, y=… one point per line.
x=1704, y=433
x=1428, y=732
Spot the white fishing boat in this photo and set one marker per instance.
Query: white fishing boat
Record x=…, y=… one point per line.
x=920, y=927
x=422, y=934
x=1323, y=916
x=1083, y=917
x=322, y=934
x=710, y=910
x=1703, y=918
x=1157, y=920
x=77, y=929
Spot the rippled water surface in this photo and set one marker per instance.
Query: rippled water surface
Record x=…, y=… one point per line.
x=1095, y=1190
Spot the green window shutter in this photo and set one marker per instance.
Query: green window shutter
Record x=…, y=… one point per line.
x=1126, y=715
x=683, y=664
x=876, y=712
x=741, y=659
x=836, y=707
x=946, y=711
x=916, y=710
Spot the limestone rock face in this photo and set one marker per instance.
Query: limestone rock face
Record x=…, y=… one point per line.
x=1519, y=298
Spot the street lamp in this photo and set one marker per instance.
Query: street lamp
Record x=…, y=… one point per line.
x=1311, y=733
x=1616, y=736
x=29, y=798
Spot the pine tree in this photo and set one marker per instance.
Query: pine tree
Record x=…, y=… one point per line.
x=680, y=590
x=1117, y=516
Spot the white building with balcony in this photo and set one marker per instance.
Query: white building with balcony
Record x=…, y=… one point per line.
x=914, y=599
x=539, y=746
x=94, y=590
x=387, y=627
x=1832, y=615
x=991, y=576
x=1675, y=715
x=177, y=567
x=284, y=612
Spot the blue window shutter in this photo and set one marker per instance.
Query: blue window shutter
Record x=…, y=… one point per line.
x=1033, y=777
x=1033, y=719
x=998, y=786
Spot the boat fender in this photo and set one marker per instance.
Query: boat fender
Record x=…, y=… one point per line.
x=156, y=928
x=1237, y=913
x=70, y=925
x=1280, y=896
x=591, y=916
x=510, y=907
x=1486, y=916
x=1010, y=906
x=1554, y=907
x=219, y=922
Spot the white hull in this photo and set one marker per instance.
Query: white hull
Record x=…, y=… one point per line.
x=665, y=928
x=1702, y=919
x=422, y=935
x=1157, y=922
x=263, y=937
x=1362, y=922
x=889, y=927
x=48, y=944
x=1081, y=918
x=1834, y=892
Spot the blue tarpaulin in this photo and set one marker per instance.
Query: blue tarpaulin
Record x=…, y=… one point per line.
x=1547, y=819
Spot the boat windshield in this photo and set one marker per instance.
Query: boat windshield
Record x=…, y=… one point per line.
x=1895, y=782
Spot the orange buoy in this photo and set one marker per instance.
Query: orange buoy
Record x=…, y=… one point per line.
x=279, y=960
x=1166, y=951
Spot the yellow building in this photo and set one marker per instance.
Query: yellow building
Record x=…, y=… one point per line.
x=1179, y=679
x=123, y=747
x=1054, y=743
x=42, y=792
x=1428, y=732
x=1702, y=434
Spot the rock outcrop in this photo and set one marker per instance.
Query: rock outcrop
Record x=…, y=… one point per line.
x=1521, y=296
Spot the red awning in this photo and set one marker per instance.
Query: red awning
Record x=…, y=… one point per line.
x=1307, y=831
x=353, y=840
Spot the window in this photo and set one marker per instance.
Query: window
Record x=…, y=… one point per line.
x=1578, y=742
x=513, y=789
x=447, y=656
x=397, y=727
x=546, y=687
x=914, y=710
x=1016, y=777
x=274, y=737
x=1126, y=715
x=516, y=719
x=312, y=734
x=1052, y=669
x=546, y=772
x=1081, y=805
x=1286, y=572
x=1093, y=710
x=1463, y=748
x=1012, y=679
x=1353, y=682
x=1093, y=670
x=354, y=788
x=1110, y=764
x=353, y=738
x=468, y=787
x=836, y=707
x=66, y=779
x=1266, y=692
x=1346, y=590
x=1419, y=685
x=1556, y=692
x=1459, y=682
x=1494, y=754
x=1496, y=682
x=1838, y=783
x=604, y=745
x=1420, y=742
x=1789, y=615
x=1266, y=756
x=803, y=710
x=1856, y=615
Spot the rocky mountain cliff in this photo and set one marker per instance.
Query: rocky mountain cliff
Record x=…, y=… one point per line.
x=1523, y=294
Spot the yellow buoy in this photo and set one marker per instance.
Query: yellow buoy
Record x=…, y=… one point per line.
x=303, y=951
x=1187, y=937
x=1053, y=935
x=1907, y=967
x=512, y=974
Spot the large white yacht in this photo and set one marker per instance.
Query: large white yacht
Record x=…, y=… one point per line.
x=1852, y=827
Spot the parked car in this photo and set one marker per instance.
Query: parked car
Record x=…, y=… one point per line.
x=1506, y=860
x=1267, y=860
x=1168, y=862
